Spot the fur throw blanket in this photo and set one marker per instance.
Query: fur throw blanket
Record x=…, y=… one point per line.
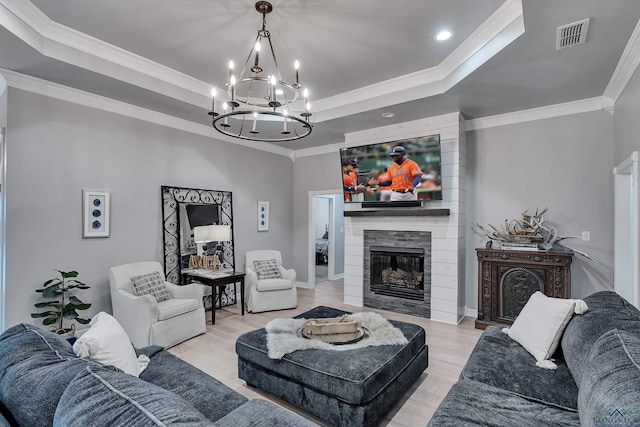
x=283, y=335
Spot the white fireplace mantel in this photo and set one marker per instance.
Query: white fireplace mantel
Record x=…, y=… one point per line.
x=447, y=231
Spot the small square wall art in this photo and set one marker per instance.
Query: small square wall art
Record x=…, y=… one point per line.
x=95, y=213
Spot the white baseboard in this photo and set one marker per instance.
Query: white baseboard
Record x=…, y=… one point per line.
x=470, y=312
x=304, y=285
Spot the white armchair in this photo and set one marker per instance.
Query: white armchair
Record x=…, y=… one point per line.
x=148, y=322
x=269, y=294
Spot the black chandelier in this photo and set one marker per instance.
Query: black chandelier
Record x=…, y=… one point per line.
x=262, y=108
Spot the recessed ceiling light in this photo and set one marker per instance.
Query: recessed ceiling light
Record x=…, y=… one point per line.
x=444, y=35
x=388, y=115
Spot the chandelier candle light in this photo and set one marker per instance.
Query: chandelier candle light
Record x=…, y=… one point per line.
x=262, y=108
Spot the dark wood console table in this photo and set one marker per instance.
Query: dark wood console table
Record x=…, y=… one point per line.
x=507, y=278
x=217, y=282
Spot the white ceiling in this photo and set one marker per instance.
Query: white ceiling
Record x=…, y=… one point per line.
x=359, y=58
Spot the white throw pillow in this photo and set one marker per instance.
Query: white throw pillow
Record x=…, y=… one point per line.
x=539, y=326
x=107, y=343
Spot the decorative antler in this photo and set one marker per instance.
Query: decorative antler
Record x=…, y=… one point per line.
x=531, y=228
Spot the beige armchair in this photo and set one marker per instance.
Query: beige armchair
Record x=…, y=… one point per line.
x=148, y=322
x=269, y=294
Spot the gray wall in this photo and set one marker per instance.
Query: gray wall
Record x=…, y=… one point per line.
x=562, y=163
x=627, y=125
x=56, y=148
x=313, y=173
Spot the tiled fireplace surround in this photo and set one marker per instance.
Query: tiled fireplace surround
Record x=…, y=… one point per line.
x=447, y=232
x=412, y=243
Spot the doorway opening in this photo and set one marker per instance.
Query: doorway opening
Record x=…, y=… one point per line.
x=326, y=236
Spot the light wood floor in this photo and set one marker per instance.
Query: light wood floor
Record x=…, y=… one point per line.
x=449, y=349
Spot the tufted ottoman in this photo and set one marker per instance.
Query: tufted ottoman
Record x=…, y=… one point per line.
x=346, y=388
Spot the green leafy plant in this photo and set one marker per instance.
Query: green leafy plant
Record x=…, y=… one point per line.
x=63, y=306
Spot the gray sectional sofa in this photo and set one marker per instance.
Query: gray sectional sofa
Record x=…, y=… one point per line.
x=43, y=383
x=597, y=382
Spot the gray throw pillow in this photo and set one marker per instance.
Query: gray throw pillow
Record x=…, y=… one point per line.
x=609, y=392
x=151, y=284
x=267, y=269
x=99, y=397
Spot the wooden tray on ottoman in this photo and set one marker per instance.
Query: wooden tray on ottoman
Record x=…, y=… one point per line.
x=331, y=325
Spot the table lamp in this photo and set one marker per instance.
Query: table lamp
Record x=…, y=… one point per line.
x=219, y=234
x=202, y=235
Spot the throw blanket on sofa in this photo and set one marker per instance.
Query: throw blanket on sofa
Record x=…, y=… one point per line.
x=283, y=335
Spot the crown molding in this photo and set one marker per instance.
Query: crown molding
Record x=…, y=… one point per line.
x=547, y=112
x=500, y=29
x=608, y=104
x=65, y=44
x=627, y=65
x=54, y=40
x=62, y=43
x=496, y=33
x=440, y=124
x=87, y=99
x=315, y=151
x=384, y=133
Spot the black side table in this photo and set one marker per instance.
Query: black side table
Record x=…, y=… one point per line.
x=217, y=283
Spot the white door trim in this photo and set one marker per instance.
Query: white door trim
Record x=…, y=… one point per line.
x=626, y=254
x=3, y=227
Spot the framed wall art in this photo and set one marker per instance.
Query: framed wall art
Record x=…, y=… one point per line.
x=95, y=213
x=263, y=215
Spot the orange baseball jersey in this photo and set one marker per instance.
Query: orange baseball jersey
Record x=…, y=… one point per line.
x=401, y=175
x=382, y=178
x=350, y=180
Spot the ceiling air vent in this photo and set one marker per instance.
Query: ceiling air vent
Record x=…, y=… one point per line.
x=572, y=34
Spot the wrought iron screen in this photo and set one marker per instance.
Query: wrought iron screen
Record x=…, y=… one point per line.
x=172, y=198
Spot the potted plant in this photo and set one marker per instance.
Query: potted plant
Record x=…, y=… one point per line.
x=63, y=306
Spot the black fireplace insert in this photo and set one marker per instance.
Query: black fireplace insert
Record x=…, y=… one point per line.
x=397, y=272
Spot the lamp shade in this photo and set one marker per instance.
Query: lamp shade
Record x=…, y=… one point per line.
x=220, y=233
x=202, y=234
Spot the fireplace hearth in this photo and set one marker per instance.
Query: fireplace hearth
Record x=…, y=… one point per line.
x=397, y=271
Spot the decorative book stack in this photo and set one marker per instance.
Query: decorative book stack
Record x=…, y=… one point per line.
x=515, y=246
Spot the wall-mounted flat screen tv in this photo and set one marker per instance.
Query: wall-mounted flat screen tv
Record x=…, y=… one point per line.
x=405, y=169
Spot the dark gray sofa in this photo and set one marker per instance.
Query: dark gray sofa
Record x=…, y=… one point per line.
x=597, y=382
x=43, y=383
